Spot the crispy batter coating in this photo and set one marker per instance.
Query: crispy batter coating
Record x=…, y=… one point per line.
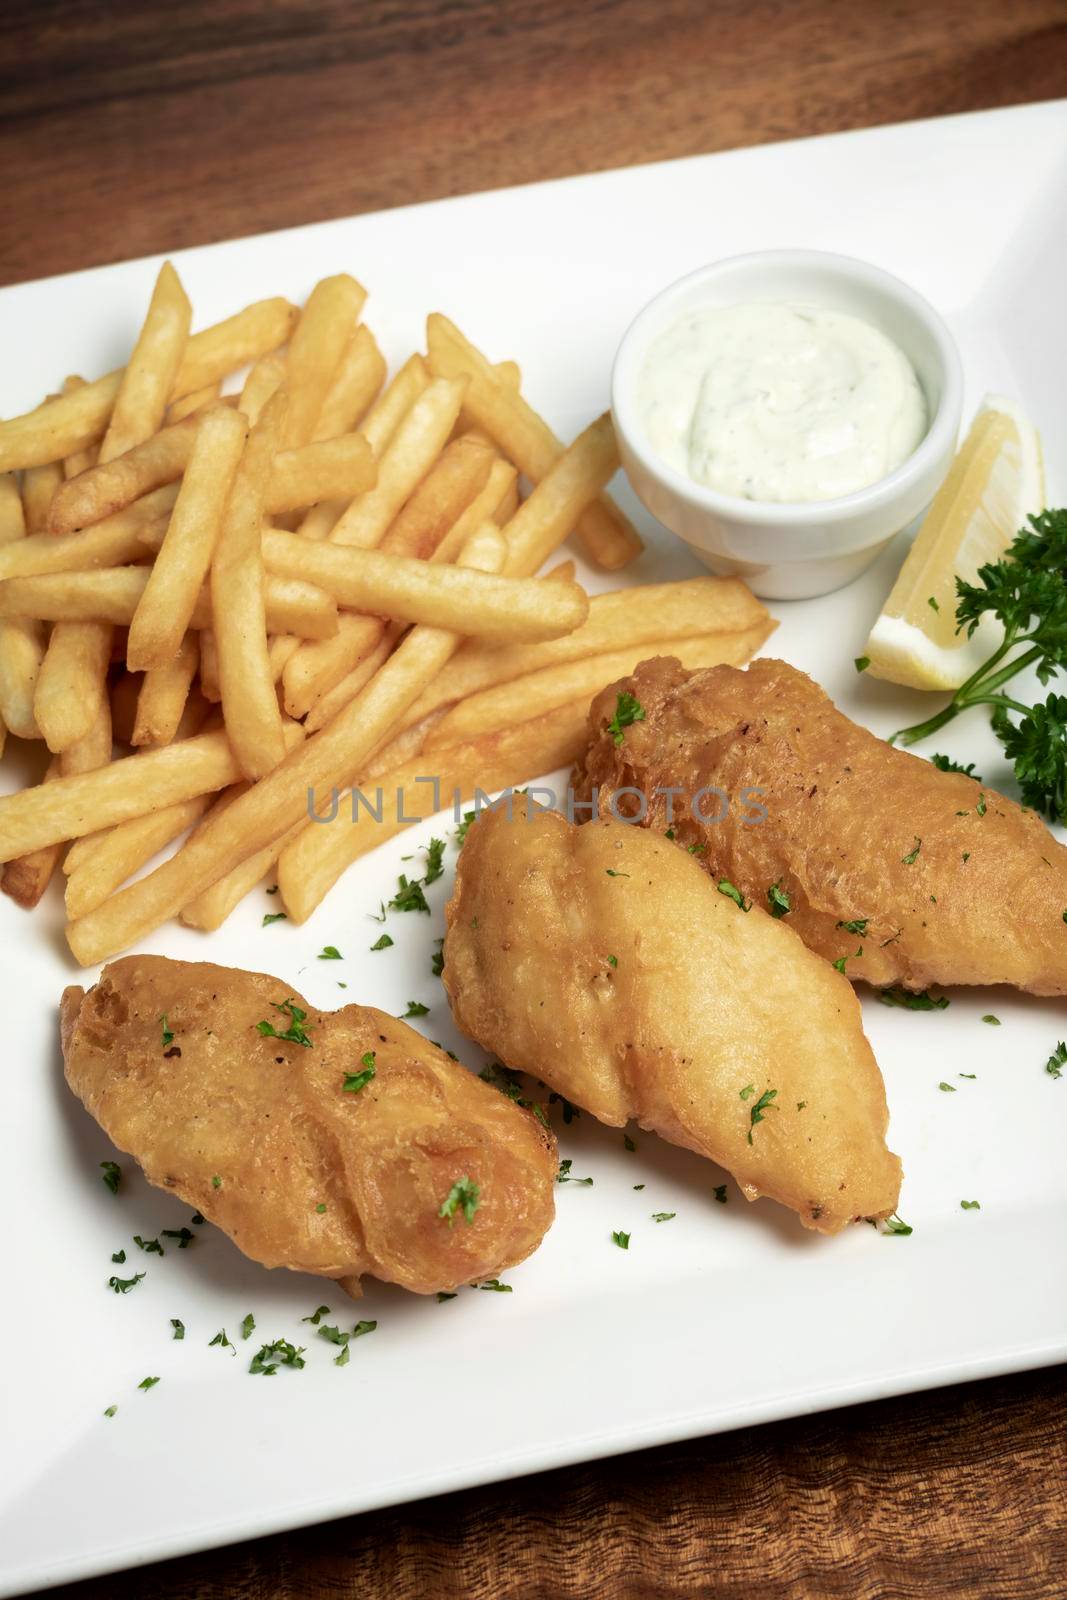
x=601, y=959
x=948, y=882
x=271, y=1119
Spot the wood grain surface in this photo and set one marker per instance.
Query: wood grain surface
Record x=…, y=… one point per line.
x=128, y=128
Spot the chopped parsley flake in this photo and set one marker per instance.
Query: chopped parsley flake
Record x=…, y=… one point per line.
x=564, y=1174
x=762, y=1104
x=222, y=1340
x=317, y=1315
x=269, y=1357
x=330, y=952
x=119, y=1257
x=341, y=1360
x=216, y=1182
x=147, y=1383
x=628, y=1143
x=151, y=1247
x=970, y=1205
x=628, y=710
x=945, y=764
x=894, y=1225
x=415, y=1009
x=664, y=1216
x=124, y=1285
x=1057, y=1060
x=968, y=1075
x=932, y=603
x=731, y=892
x=981, y=808
x=437, y=965
x=613, y=961
x=183, y=1236
x=913, y=854
x=778, y=901
x=110, y=1412
x=273, y=916
x=355, y=1081
x=295, y=1033
x=321, y=1207
x=112, y=1175
x=861, y=663
x=621, y=1239
x=946, y=1088
x=179, y=1328
x=856, y=925
x=444, y=1294
x=168, y=1036
x=384, y=943
x=994, y=1022
x=463, y=1195
x=719, y=1192
x=248, y=1326
x=435, y=855
x=460, y=836
x=613, y=874
x=912, y=1002
x=494, y=1286
x=409, y=896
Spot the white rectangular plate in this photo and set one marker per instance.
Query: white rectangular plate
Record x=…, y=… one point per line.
x=729, y=1314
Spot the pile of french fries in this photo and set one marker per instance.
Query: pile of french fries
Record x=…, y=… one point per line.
x=216, y=609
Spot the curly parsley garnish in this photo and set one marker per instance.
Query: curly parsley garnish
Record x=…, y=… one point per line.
x=946, y=764
x=564, y=1174
x=124, y=1285
x=764, y=1103
x=464, y=1196
x=628, y=710
x=355, y=1081
x=295, y=1033
x=435, y=857
x=415, y=1009
x=1057, y=1061
x=280, y=1353
x=778, y=901
x=731, y=892
x=913, y=1002
x=409, y=896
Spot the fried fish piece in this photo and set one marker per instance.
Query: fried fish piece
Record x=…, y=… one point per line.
x=335, y=1156
x=603, y=960
x=907, y=874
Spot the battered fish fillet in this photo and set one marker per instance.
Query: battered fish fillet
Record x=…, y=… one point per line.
x=602, y=960
x=313, y=1178
x=941, y=879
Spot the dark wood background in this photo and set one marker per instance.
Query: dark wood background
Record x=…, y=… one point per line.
x=128, y=128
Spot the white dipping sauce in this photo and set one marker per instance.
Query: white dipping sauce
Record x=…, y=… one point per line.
x=780, y=402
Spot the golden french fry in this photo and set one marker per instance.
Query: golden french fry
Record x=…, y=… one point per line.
x=280, y=648
x=508, y=373
x=315, y=350
x=99, y=863
x=39, y=486
x=80, y=460
x=114, y=593
x=393, y=405
x=311, y=864
x=74, y=420
x=272, y=806
x=92, y=752
x=170, y=595
x=118, y=539
x=210, y=909
x=113, y=485
x=22, y=643
x=524, y=436
x=523, y=698
x=87, y=801
x=150, y=375
x=329, y=704
x=164, y=692
x=509, y=503
x=357, y=379
x=265, y=379
x=330, y=469
x=239, y=619
x=478, y=604
x=187, y=404
x=411, y=452
x=26, y=878
x=72, y=682
x=209, y=667
x=12, y=517
x=574, y=479
x=651, y=614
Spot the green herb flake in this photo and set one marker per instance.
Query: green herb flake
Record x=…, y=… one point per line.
x=124, y=1285
x=110, y=1412
x=967, y=1075
x=664, y=1216
x=224, y=1342
x=248, y=1325
x=913, y=854
x=168, y=1036
x=994, y=1022
x=341, y=1360
x=384, y=943
x=861, y=663
x=856, y=925
x=912, y=1002
x=151, y=1247
x=321, y=1208
x=946, y=1088
x=437, y=963
x=628, y=710
x=330, y=952
x=778, y=901
x=932, y=603
x=183, y=1236
x=112, y=1175
x=435, y=856
x=179, y=1328
x=119, y=1257
x=564, y=1175
x=719, y=1192
x=355, y=1081
x=280, y=1353
x=613, y=961
x=945, y=764
x=460, y=836
x=613, y=874
x=317, y=1315
x=764, y=1103
x=273, y=916
x=981, y=808
x=147, y=1383
x=443, y=1295
x=295, y=1033
x=628, y=1143
x=415, y=1009
x=494, y=1286
x=216, y=1182
x=621, y=1239
x=409, y=896
x=896, y=1227
x=638, y=1186
x=970, y=1205
x=464, y=1196
x=1057, y=1061
x=731, y=892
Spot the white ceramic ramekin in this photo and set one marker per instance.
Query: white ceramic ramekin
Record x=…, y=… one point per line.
x=791, y=551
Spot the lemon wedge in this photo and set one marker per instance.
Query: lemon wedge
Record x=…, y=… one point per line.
x=996, y=480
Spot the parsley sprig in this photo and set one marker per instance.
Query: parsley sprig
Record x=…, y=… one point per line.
x=1026, y=591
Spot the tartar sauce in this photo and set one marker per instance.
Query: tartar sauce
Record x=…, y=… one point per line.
x=780, y=402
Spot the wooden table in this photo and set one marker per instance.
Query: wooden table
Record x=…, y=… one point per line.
x=129, y=128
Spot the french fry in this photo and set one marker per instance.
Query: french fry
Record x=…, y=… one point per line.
x=26, y=878
x=12, y=517
x=508, y=373
x=187, y=404
x=81, y=460
x=272, y=806
x=22, y=644
x=118, y=539
x=311, y=864
x=357, y=379
x=315, y=350
x=170, y=594
x=114, y=855
x=475, y=603
x=280, y=648
x=72, y=682
x=112, y=485
x=164, y=692
x=94, y=750
x=39, y=486
x=509, y=504
x=526, y=697
x=149, y=379
x=607, y=536
x=239, y=620
x=130, y=787
x=543, y=520
x=393, y=405
x=330, y=469
x=114, y=593
x=652, y=614
x=329, y=704
x=209, y=667
x=265, y=379
x=210, y=909
x=74, y=420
